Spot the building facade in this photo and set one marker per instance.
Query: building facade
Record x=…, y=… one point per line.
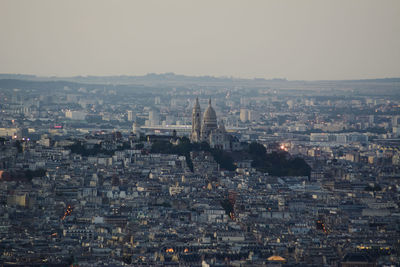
x=207, y=129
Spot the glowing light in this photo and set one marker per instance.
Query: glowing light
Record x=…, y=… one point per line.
x=276, y=258
x=186, y=250
x=170, y=250
x=67, y=212
x=363, y=247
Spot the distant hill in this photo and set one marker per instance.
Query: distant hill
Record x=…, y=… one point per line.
x=60, y=85
x=384, y=86
x=129, y=79
x=170, y=76
x=35, y=84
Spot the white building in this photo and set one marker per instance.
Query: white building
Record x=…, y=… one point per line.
x=131, y=116
x=208, y=130
x=154, y=117
x=75, y=115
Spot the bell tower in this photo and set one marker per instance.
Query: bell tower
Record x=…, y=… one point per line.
x=196, y=122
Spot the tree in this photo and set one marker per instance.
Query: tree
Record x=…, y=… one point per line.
x=257, y=149
x=277, y=163
x=223, y=159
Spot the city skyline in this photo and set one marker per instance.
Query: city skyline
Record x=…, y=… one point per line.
x=276, y=143
x=304, y=173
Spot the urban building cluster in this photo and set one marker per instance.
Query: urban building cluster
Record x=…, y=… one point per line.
x=81, y=184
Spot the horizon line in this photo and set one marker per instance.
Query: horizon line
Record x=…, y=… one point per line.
x=192, y=76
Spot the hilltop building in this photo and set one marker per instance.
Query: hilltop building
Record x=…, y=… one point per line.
x=208, y=130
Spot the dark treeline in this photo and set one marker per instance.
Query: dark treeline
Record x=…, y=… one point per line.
x=79, y=148
x=275, y=163
x=22, y=175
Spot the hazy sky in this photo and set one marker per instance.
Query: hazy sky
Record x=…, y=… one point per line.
x=338, y=39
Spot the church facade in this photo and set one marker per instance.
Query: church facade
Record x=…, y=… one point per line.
x=206, y=129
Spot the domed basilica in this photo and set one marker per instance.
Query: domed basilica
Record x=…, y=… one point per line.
x=207, y=129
